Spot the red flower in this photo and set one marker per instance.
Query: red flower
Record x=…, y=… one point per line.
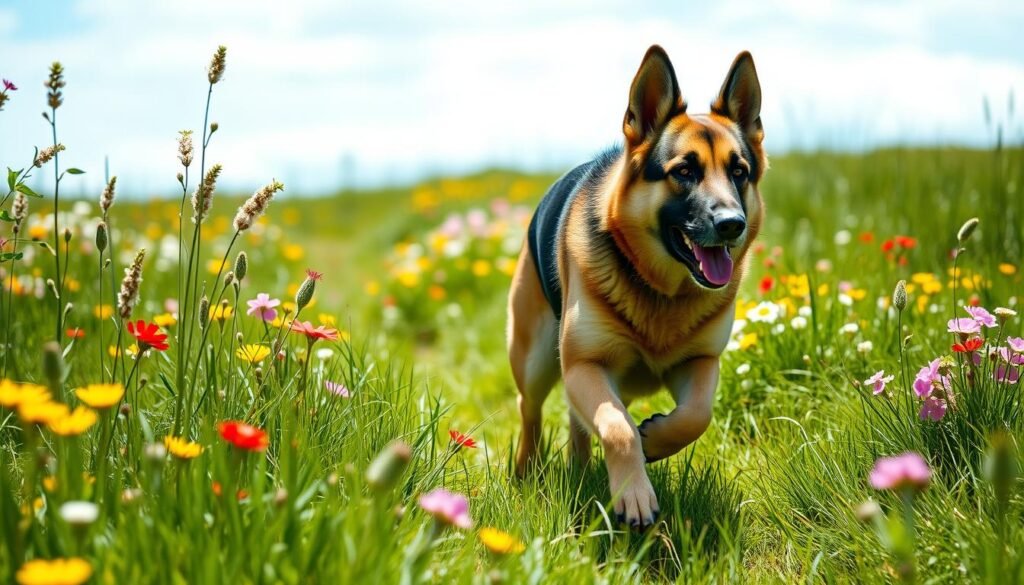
x=766, y=284
x=314, y=275
x=314, y=333
x=244, y=436
x=867, y=237
x=461, y=440
x=970, y=345
x=217, y=489
x=148, y=335
x=888, y=245
x=75, y=333
x=906, y=242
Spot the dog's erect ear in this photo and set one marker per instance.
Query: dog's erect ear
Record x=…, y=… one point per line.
x=740, y=97
x=653, y=97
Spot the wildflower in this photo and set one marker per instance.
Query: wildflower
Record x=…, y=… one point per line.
x=906, y=471
x=70, y=571
x=314, y=333
x=849, y=328
x=982, y=316
x=462, y=440
x=766, y=284
x=1006, y=374
x=966, y=230
x=216, y=70
x=499, y=542
x=128, y=296
x=1004, y=314
x=148, y=335
x=74, y=423
x=42, y=412
x=75, y=333
x=107, y=197
x=963, y=326
x=185, y=147
x=748, y=340
x=243, y=436
x=263, y=307
x=221, y=312
x=764, y=312
x=336, y=388
x=967, y=346
x=254, y=206
x=930, y=378
x=202, y=197
x=446, y=507
x=1016, y=344
x=387, y=467
x=878, y=381
x=1007, y=269
x=308, y=287
x=742, y=369
x=933, y=408
x=13, y=394
x=253, y=353
x=9, y=86
x=45, y=155
x=325, y=353
x=182, y=448
x=842, y=237
x=165, y=320
x=799, y=322
x=865, y=347
x=78, y=513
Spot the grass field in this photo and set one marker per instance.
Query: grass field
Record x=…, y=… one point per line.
x=413, y=289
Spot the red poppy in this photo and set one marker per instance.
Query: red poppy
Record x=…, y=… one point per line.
x=906, y=242
x=314, y=333
x=888, y=245
x=766, y=284
x=970, y=345
x=462, y=440
x=243, y=436
x=867, y=237
x=76, y=333
x=148, y=335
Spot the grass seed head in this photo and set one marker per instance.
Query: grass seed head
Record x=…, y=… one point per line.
x=185, y=147
x=216, y=70
x=46, y=155
x=128, y=296
x=965, y=231
x=256, y=205
x=101, y=236
x=55, y=83
x=107, y=197
x=241, y=265
x=204, y=312
x=202, y=197
x=899, y=296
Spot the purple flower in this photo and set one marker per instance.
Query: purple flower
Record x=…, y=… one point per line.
x=878, y=382
x=263, y=307
x=336, y=388
x=8, y=86
x=933, y=409
x=908, y=470
x=1016, y=344
x=447, y=507
x=964, y=326
x=929, y=377
x=1012, y=358
x=982, y=316
x=1006, y=374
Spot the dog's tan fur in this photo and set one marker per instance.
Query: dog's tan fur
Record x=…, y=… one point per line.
x=626, y=335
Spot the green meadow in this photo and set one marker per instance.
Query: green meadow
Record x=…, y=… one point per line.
x=299, y=447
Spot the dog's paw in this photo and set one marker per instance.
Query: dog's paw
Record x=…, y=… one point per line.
x=655, y=444
x=636, y=505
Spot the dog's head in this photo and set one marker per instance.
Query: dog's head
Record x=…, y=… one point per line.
x=688, y=194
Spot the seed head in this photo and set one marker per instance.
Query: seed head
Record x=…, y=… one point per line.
x=101, y=236
x=216, y=69
x=241, y=265
x=966, y=230
x=128, y=296
x=255, y=205
x=185, y=147
x=45, y=155
x=899, y=296
x=55, y=97
x=107, y=197
x=202, y=198
x=204, y=312
x=19, y=208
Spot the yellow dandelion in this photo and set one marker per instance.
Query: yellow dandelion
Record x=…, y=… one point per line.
x=253, y=353
x=823, y=290
x=165, y=320
x=75, y=423
x=1007, y=269
x=408, y=278
x=500, y=542
x=37, y=232
x=326, y=319
x=182, y=448
x=922, y=277
x=70, y=571
x=100, y=396
x=931, y=287
x=221, y=312
x=13, y=394
x=748, y=340
x=103, y=311
x=43, y=412
x=72, y=285
x=50, y=483
x=857, y=294
x=481, y=268
x=293, y=252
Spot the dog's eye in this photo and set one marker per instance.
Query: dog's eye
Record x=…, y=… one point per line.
x=683, y=172
x=739, y=172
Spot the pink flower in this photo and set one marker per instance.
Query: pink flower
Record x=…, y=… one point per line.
x=1010, y=357
x=1016, y=344
x=878, y=382
x=929, y=378
x=933, y=409
x=964, y=326
x=447, y=507
x=1006, y=374
x=314, y=333
x=981, y=315
x=8, y=86
x=336, y=388
x=263, y=307
x=908, y=470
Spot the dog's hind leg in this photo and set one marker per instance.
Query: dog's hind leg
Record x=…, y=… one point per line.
x=579, y=440
x=533, y=353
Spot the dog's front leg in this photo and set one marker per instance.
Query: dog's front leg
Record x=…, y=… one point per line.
x=594, y=401
x=693, y=386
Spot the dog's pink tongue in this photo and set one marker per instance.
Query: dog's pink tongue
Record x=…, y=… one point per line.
x=716, y=263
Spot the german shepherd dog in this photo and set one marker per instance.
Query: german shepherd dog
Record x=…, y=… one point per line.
x=628, y=277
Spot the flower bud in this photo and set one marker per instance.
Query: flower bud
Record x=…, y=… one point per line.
x=966, y=230
x=101, y=236
x=387, y=468
x=214, y=127
x=899, y=296
x=241, y=265
x=306, y=290
x=67, y=235
x=229, y=278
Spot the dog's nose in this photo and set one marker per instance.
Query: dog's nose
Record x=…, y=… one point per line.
x=730, y=226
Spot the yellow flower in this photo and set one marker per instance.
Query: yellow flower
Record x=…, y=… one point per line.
x=500, y=542
x=42, y=412
x=372, y=288
x=37, y=232
x=436, y=292
x=100, y=396
x=931, y=287
x=103, y=311
x=823, y=290
x=1007, y=269
x=13, y=394
x=408, y=278
x=50, y=483
x=293, y=252
x=182, y=448
x=75, y=423
x=922, y=277
x=921, y=303
x=253, y=353
x=165, y=320
x=857, y=294
x=799, y=285
x=481, y=268
x=72, y=571
x=506, y=265
x=72, y=285
x=221, y=312
x=326, y=319
x=748, y=340
x=215, y=266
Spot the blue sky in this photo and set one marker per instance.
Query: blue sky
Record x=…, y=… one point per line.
x=321, y=92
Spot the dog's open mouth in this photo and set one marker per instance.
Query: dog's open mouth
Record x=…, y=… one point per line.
x=711, y=266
